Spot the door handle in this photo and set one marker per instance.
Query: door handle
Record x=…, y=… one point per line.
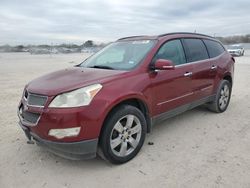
x=213, y=67
x=188, y=74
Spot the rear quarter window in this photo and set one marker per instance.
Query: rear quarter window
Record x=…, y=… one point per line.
x=195, y=50
x=214, y=48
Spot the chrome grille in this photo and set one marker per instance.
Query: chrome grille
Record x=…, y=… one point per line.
x=31, y=117
x=35, y=99
x=28, y=118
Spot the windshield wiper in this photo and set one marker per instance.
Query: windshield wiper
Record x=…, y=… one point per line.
x=102, y=67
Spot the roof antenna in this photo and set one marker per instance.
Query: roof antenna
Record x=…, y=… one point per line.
x=195, y=31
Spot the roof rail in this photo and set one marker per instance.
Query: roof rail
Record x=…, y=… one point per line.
x=132, y=37
x=162, y=35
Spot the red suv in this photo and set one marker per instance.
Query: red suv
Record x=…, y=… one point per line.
x=110, y=101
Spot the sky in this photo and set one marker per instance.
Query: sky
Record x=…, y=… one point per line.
x=75, y=21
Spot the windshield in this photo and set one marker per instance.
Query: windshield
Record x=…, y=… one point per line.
x=121, y=55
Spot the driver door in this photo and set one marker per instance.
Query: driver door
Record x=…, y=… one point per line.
x=172, y=88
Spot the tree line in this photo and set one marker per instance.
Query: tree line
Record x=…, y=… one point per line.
x=91, y=44
x=73, y=47
x=235, y=39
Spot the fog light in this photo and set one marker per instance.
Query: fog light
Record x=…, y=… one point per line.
x=62, y=133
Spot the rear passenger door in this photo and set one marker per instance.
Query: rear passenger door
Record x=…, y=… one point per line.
x=197, y=55
x=215, y=51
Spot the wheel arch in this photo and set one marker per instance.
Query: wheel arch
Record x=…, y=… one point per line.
x=228, y=77
x=133, y=101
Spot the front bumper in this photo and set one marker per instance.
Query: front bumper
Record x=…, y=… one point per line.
x=40, y=120
x=71, y=150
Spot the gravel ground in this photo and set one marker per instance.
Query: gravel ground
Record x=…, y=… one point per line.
x=195, y=149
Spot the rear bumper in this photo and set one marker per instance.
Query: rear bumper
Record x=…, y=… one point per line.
x=71, y=150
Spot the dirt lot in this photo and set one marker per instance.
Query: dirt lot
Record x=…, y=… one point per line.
x=195, y=149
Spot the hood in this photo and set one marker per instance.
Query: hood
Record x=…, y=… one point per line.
x=69, y=79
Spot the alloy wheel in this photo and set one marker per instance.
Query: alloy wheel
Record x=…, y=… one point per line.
x=125, y=135
x=224, y=96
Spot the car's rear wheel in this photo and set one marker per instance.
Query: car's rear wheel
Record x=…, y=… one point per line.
x=222, y=98
x=123, y=134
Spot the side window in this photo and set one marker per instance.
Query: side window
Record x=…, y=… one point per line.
x=214, y=48
x=173, y=51
x=196, y=50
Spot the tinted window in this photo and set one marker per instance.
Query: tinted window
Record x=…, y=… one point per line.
x=214, y=48
x=196, y=50
x=173, y=51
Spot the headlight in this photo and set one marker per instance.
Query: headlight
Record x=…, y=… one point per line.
x=76, y=98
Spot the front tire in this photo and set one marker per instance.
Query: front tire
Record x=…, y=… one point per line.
x=222, y=98
x=123, y=134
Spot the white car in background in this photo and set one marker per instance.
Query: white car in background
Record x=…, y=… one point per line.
x=236, y=50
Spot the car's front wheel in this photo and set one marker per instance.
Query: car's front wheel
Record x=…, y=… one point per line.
x=123, y=134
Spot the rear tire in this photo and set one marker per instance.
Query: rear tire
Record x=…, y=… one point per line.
x=222, y=98
x=123, y=134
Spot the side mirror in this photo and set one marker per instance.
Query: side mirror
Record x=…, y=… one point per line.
x=163, y=64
